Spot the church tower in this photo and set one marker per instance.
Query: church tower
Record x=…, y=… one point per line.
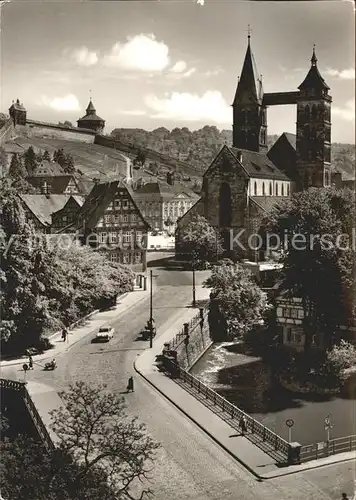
x=313, y=130
x=249, y=129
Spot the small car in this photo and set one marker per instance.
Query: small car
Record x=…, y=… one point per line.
x=104, y=334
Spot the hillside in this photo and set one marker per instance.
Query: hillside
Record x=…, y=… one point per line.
x=199, y=147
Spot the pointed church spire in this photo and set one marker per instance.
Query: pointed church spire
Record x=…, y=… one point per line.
x=314, y=58
x=313, y=80
x=249, y=82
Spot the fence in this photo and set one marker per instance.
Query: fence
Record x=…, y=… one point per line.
x=41, y=428
x=254, y=426
x=327, y=448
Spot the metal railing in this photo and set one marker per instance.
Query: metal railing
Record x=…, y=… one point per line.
x=193, y=323
x=254, y=426
x=327, y=448
x=14, y=385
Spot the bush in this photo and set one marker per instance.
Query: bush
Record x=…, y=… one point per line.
x=341, y=357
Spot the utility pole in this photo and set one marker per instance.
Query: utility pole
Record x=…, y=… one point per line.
x=193, y=268
x=151, y=316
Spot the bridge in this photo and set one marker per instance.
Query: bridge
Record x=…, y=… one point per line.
x=39, y=400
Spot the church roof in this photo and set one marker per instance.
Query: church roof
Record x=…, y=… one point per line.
x=291, y=138
x=250, y=81
x=313, y=80
x=257, y=164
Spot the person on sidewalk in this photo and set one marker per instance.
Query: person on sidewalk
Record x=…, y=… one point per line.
x=130, y=385
x=30, y=362
x=243, y=425
x=64, y=334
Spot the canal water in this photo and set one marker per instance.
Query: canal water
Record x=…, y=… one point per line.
x=246, y=381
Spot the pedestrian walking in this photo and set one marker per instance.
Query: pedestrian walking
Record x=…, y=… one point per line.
x=243, y=425
x=64, y=334
x=30, y=362
x=130, y=385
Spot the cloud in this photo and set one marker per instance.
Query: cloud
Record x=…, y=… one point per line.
x=347, y=112
x=132, y=112
x=84, y=57
x=213, y=72
x=200, y=2
x=345, y=74
x=67, y=103
x=211, y=106
x=179, y=67
x=140, y=52
x=179, y=76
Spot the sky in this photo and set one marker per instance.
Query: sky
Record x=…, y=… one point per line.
x=166, y=63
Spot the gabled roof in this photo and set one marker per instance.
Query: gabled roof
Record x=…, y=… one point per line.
x=165, y=190
x=99, y=199
x=250, y=81
x=313, y=80
x=257, y=164
x=58, y=184
x=48, y=168
x=79, y=200
x=291, y=138
x=43, y=206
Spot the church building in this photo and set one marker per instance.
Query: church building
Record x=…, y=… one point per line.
x=246, y=179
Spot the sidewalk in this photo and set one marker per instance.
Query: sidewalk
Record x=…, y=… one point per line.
x=253, y=458
x=90, y=324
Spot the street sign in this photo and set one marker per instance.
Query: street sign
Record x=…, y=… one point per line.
x=327, y=423
x=289, y=422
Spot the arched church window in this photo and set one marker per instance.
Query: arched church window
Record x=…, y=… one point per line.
x=270, y=189
x=225, y=205
x=263, y=189
x=282, y=189
x=276, y=188
x=255, y=188
x=314, y=112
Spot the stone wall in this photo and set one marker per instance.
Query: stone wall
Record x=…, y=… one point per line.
x=199, y=342
x=43, y=130
x=7, y=131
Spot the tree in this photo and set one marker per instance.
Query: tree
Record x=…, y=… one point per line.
x=16, y=170
x=3, y=161
x=66, y=124
x=30, y=160
x=95, y=430
x=200, y=238
x=316, y=226
x=237, y=296
x=140, y=158
x=46, y=156
x=341, y=357
x=28, y=470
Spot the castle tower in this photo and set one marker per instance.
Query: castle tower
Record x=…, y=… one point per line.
x=249, y=130
x=313, y=130
x=91, y=120
x=18, y=113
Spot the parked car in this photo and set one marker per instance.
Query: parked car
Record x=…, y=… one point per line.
x=104, y=334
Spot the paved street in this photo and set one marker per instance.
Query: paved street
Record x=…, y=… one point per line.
x=190, y=464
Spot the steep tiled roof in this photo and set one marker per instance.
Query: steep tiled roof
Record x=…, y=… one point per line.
x=58, y=184
x=313, y=80
x=98, y=200
x=250, y=81
x=291, y=138
x=43, y=206
x=92, y=118
x=165, y=190
x=78, y=199
x=17, y=105
x=257, y=164
x=48, y=168
x=266, y=203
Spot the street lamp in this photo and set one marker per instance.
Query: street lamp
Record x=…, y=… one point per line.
x=193, y=269
x=151, y=307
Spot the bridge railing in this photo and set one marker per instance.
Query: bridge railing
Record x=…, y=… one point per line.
x=193, y=323
x=327, y=448
x=20, y=387
x=254, y=426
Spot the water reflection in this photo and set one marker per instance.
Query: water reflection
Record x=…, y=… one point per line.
x=248, y=383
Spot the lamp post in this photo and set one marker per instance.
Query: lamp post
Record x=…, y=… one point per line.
x=193, y=269
x=151, y=306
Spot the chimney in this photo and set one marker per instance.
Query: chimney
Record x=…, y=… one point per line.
x=170, y=178
x=239, y=156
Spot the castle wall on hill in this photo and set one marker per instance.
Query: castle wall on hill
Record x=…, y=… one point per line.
x=44, y=130
x=7, y=131
x=152, y=155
